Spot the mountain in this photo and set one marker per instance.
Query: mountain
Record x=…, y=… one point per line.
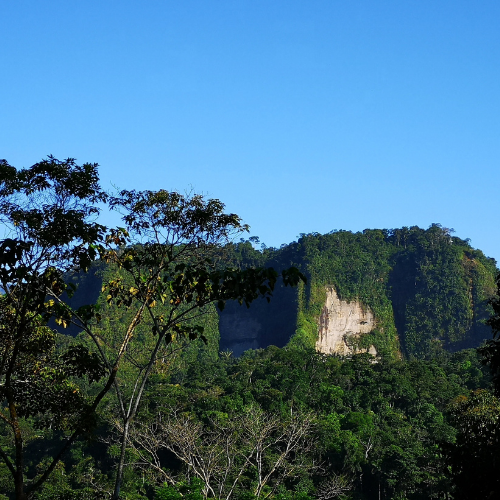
x=407, y=292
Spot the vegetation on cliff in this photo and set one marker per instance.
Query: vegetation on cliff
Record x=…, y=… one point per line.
x=428, y=289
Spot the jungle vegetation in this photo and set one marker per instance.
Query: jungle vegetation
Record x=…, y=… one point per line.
x=429, y=290
x=113, y=383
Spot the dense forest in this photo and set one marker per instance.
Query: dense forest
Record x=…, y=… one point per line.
x=428, y=290
x=290, y=423
x=124, y=375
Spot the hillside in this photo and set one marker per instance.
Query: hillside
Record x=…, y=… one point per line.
x=402, y=427
x=401, y=292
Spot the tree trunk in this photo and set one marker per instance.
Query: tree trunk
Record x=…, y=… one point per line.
x=121, y=463
x=18, y=443
x=19, y=486
x=133, y=406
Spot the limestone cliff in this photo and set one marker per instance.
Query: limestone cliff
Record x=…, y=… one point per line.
x=341, y=323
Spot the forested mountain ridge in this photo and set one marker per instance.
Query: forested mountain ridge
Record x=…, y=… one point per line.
x=426, y=289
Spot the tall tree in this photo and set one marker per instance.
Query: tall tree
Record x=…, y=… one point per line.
x=47, y=214
x=168, y=270
x=491, y=351
x=166, y=254
x=474, y=458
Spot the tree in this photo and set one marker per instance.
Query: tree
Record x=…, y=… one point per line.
x=47, y=215
x=336, y=486
x=167, y=271
x=474, y=457
x=257, y=448
x=491, y=351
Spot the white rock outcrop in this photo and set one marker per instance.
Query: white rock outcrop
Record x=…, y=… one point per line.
x=341, y=322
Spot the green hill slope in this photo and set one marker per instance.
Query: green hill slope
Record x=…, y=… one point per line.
x=426, y=289
x=415, y=292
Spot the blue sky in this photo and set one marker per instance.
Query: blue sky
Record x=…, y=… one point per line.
x=301, y=116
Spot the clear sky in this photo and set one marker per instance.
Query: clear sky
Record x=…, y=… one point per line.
x=301, y=116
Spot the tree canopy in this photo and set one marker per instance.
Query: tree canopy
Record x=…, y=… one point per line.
x=137, y=402
x=167, y=272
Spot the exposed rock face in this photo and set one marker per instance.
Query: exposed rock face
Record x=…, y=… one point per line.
x=341, y=321
x=261, y=325
x=243, y=332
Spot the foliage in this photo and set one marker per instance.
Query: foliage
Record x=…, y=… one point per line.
x=474, y=457
x=491, y=351
x=429, y=291
x=378, y=427
x=165, y=275
x=164, y=415
x=48, y=211
x=182, y=490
